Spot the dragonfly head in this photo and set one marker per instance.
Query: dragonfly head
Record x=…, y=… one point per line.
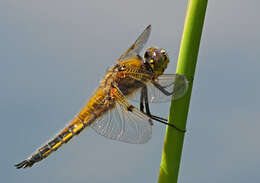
x=157, y=59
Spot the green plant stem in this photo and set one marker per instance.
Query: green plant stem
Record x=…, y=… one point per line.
x=172, y=150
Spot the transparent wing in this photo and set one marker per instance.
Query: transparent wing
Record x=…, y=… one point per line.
x=138, y=45
x=127, y=126
x=175, y=84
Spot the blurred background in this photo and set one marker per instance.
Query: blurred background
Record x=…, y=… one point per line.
x=54, y=53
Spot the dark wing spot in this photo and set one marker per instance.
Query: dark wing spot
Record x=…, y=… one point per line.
x=130, y=108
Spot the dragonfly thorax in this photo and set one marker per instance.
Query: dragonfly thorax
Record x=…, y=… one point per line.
x=157, y=59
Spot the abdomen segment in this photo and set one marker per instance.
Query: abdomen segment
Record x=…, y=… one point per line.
x=85, y=118
x=74, y=128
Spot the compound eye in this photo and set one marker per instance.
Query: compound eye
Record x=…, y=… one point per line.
x=163, y=51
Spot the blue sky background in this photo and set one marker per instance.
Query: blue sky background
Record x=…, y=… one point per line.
x=54, y=53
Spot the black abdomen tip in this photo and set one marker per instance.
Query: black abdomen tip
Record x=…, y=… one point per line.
x=24, y=164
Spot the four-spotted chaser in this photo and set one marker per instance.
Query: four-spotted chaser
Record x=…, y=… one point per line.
x=108, y=111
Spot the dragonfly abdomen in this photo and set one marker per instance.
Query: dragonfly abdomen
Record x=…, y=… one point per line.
x=74, y=128
x=93, y=109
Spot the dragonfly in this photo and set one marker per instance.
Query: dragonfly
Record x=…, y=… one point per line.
x=109, y=111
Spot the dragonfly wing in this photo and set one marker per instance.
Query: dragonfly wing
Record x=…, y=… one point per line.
x=120, y=123
x=138, y=45
x=175, y=84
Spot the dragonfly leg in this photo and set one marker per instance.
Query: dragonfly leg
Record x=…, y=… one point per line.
x=159, y=118
x=144, y=98
x=116, y=93
x=160, y=87
x=165, y=92
x=142, y=102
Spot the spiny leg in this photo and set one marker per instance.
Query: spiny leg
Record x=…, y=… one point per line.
x=142, y=101
x=161, y=88
x=165, y=92
x=144, y=98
